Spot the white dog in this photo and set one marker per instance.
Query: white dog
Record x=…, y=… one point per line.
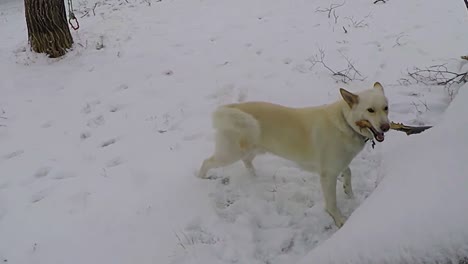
x=322, y=139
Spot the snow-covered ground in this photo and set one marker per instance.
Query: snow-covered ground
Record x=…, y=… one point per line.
x=99, y=149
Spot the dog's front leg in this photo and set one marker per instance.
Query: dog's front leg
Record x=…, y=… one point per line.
x=328, y=182
x=348, y=189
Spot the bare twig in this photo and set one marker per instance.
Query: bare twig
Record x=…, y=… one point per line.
x=180, y=241
x=329, y=9
x=425, y=105
x=398, y=43
x=335, y=16
x=85, y=14
x=94, y=8
x=357, y=23
x=437, y=75
x=344, y=76
x=416, y=107
x=356, y=73
x=345, y=31
x=404, y=82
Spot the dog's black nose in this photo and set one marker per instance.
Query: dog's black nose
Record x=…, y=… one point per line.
x=385, y=127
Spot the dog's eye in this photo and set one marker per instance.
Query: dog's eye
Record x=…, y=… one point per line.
x=370, y=110
x=385, y=108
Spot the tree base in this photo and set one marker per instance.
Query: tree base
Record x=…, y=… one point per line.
x=48, y=30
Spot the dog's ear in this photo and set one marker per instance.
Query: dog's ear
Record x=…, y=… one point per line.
x=379, y=86
x=350, y=98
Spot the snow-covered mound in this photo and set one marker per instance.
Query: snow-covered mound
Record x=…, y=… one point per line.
x=418, y=213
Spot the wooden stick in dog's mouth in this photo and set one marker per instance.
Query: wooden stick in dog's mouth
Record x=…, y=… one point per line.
x=409, y=130
x=379, y=136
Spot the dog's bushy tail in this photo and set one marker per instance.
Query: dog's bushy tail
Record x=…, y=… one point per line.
x=232, y=120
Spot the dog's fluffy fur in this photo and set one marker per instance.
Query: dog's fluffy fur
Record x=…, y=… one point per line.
x=322, y=139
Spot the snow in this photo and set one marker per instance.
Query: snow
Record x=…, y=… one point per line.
x=99, y=149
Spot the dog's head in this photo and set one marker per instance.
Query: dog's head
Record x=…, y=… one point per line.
x=370, y=105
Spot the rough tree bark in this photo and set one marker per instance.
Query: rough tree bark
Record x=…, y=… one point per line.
x=48, y=30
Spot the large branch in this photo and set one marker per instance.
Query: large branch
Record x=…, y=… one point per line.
x=409, y=130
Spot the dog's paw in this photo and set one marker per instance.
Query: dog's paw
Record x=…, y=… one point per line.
x=338, y=219
x=339, y=222
x=199, y=174
x=350, y=196
x=348, y=191
x=211, y=177
x=205, y=176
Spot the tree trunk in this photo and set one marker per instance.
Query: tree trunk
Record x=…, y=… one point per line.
x=48, y=30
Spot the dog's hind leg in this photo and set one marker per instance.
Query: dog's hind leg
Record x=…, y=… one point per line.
x=348, y=189
x=328, y=182
x=216, y=161
x=227, y=152
x=248, y=159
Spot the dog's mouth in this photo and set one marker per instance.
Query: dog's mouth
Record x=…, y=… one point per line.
x=379, y=136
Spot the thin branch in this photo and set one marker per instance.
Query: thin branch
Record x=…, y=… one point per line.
x=329, y=9
x=346, y=75
x=398, y=43
x=358, y=24
x=85, y=14
x=180, y=241
x=437, y=75
x=335, y=16
x=94, y=8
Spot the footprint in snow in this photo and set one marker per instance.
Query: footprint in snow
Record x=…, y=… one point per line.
x=47, y=124
x=42, y=172
x=287, y=60
x=39, y=196
x=115, y=108
x=121, y=87
x=62, y=175
x=108, y=142
x=89, y=107
x=114, y=162
x=84, y=135
x=96, y=121
x=13, y=154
